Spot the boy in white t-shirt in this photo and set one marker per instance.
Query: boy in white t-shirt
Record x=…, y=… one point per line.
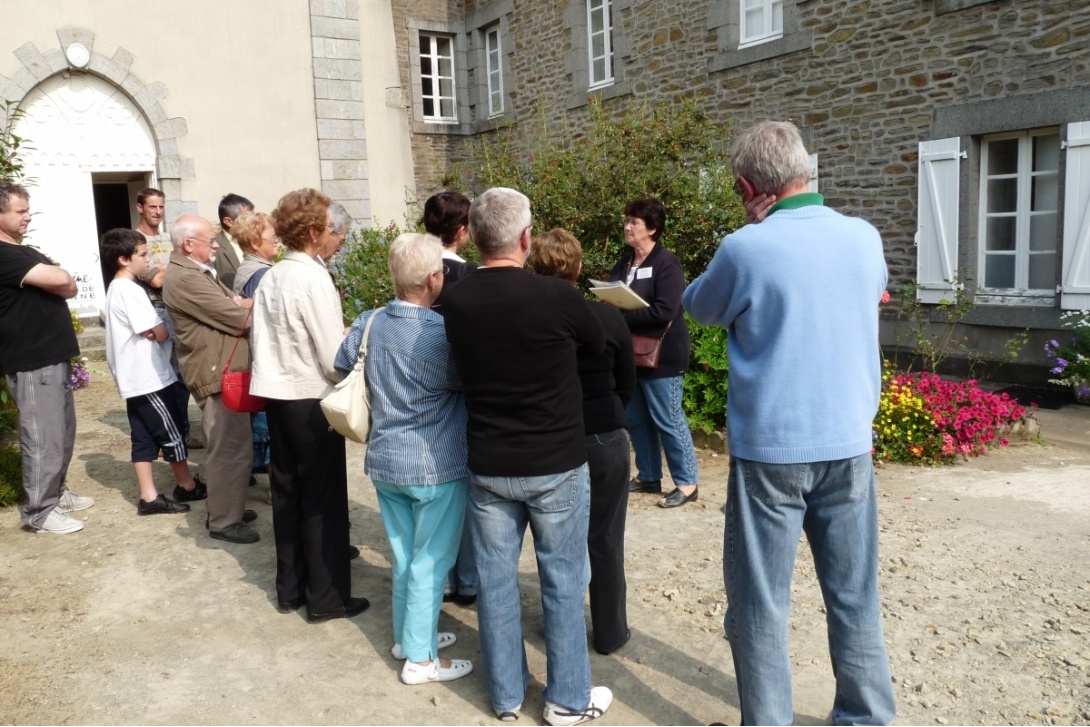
x=138, y=352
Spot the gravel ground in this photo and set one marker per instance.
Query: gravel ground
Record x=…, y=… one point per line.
x=985, y=584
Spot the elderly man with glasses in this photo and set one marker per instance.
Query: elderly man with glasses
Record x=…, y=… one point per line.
x=207, y=318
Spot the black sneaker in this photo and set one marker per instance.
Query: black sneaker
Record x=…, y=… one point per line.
x=161, y=505
x=199, y=491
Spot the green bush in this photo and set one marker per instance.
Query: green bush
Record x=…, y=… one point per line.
x=361, y=271
x=581, y=181
x=11, y=476
x=705, y=394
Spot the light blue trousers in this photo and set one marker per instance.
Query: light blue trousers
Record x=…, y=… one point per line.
x=424, y=524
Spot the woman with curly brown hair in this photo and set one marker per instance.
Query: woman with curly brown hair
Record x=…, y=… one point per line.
x=297, y=331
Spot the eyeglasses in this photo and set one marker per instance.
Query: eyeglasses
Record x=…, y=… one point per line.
x=633, y=222
x=208, y=242
x=271, y=240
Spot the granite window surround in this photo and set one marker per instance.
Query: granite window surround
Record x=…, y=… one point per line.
x=577, y=59
x=456, y=32
x=725, y=20
x=493, y=16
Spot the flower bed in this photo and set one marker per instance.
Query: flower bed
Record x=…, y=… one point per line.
x=925, y=419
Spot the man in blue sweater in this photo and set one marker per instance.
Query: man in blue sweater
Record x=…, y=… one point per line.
x=798, y=295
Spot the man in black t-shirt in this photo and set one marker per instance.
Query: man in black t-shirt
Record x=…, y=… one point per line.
x=514, y=337
x=37, y=342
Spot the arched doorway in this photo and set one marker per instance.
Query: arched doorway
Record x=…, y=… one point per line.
x=88, y=147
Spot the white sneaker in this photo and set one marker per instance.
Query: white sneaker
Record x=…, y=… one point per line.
x=57, y=521
x=71, y=502
x=413, y=673
x=600, y=699
x=445, y=640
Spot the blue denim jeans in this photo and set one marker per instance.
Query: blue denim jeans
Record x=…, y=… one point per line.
x=424, y=525
x=655, y=417
x=557, y=509
x=462, y=578
x=768, y=505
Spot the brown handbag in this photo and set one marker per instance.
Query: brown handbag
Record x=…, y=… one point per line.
x=647, y=349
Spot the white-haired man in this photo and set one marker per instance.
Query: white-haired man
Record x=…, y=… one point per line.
x=798, y=295
x=514, y=337
x=208, y=318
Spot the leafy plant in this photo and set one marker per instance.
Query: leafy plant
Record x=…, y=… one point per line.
x=581, y=180
x=361, y=272
x=11, y=476
x=705, y=393
x=1071, y=359
x=11, y=165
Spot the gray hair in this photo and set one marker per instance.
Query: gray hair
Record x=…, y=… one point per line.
x=340, y=222
x=497, y=220
x=771, y=156
x=413, y=257
x=184, y=227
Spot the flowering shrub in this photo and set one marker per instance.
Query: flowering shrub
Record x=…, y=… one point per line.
x=78, y=374
x=925, y=419
x=1071, y=361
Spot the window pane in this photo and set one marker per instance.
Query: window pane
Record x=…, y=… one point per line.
x=426, y=86
x=754, y=23
x=1045, y=192
x=429, y=107
x=1002, y=195
x=445, y=68
x=1003, y=157
x=597, y=46
x=446, y=105
x=597, y=19
x=1042, y=271
x=598, y=73
x=1046, y=152
x=1042, y=232
x=446, y=87
x=442, y=46
x=1001, y=233
x=425, y=44
x=777, y=17
x=425, y=65
x=999, y=271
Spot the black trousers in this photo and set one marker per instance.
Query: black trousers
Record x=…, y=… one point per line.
x=608, y=461
x=310, y=506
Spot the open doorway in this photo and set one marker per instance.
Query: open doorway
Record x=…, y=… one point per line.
x=115, y=205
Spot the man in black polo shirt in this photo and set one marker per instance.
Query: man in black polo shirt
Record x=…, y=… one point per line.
x=514, y=336
x=36, y=344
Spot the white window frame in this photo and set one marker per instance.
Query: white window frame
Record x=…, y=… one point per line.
x=493, y=69
x=436, y=97
x=606, y=32
x=1021, y=292
x=769, y=13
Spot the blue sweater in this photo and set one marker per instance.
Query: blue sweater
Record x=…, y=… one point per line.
x=798, y=295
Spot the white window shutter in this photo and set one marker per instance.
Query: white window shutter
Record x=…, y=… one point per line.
x=1075, y=276
x=813, y=173
x=937, y=224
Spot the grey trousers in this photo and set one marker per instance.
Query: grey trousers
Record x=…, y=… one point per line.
x=47, y=432
x=228, y=455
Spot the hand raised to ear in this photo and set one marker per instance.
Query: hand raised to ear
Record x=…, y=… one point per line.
x=757, y=207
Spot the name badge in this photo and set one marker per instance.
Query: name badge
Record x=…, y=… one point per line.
x=643, y=273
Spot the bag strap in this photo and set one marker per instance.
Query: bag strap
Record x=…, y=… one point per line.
x=227, y=366
x=362, y=353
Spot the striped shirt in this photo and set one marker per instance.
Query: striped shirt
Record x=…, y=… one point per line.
x=418, y=429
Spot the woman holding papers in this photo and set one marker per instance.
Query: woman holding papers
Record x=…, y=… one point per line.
x=655, y=417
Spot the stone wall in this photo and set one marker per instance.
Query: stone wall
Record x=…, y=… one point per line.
x=865, y=89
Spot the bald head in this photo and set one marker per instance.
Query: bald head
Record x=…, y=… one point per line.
x=192, y=236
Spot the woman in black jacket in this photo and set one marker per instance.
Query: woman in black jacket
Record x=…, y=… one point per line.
x=655, y=416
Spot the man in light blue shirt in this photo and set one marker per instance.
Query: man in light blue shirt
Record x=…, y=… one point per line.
x=798, y=295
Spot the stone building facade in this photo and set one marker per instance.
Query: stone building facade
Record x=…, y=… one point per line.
x=993, y=91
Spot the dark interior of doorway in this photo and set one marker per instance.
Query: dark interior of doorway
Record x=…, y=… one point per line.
x=115, y=202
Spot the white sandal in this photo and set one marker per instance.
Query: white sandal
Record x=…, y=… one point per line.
x=413, y=673
x=445, y=640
